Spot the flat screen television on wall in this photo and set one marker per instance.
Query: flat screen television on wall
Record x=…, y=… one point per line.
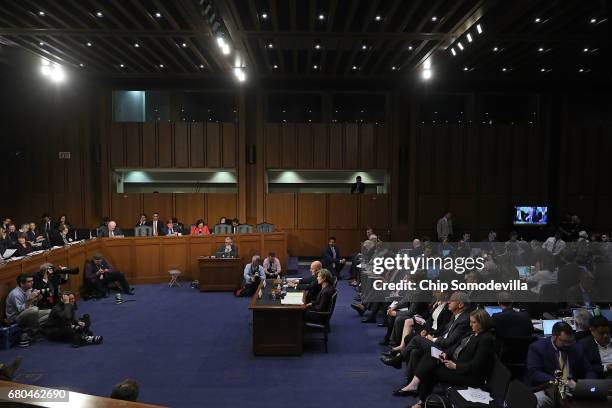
x=530, y=215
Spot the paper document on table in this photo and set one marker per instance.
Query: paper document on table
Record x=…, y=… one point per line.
x=294, y=279
x=475, y=395
x=8, y=253
x=293, y=298
x=435, y=352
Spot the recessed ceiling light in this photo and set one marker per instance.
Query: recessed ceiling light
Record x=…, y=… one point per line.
x=541, y=49
x=81, y=65
x=479, y=28
x=581, y=70
x=593, y=20
x=378, y=18
x=460, y=46
x=410, y=48
x=434, y=18
x=393, y=68
x=469, y=37
x=201, y=65
x=364, y=47
x=317, y=46
x=270, y=45
x=161, y=65
x=585, y=50
x=504, y=69
x=184, y=45
x=136, y=45
x=315, y=67
x=41, y=43
x=466, y=69
x=99, y=14
x=158, y=14
x=354, y=67
x=264, y=15
x=88, y=44
x=41, y=13
x=537, y=20
x=321, y=17
x=495, y=49
x=275, y=66
x=453, y=51
x=121, y=65
x=542, y=69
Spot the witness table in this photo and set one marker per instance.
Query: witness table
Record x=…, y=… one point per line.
x=219, y=273
x=277, y=328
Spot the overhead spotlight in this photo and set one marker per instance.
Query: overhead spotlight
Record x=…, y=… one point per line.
x=427, y=63
x=537, y=20
x=364, y=47
x=225, y=49
x=201, y=65
x=315, y=67
x=504, y=69
x=275, y=66
x=426, y=74
x=453, y=51
x=41, y=43
x=466, y=69
x=434, y=18
x=57, y=74
x=410, y=48
x=41, y=13
x=81, y=65
x=184, y=45
x=158, y=14
x=264, y=15
x=161, y=65
x=585, y=50
x=317, y=46
x=581, y=70
x=99, y=14
x=469, y=37
x=378, y=18
x=270, y=45
x=354, y=67
x=121, y=65
x=393, y=68
x=479, y=28
x=541, y=49
x=136, y=45
x=88, y=44
x=495, y=49
x=542, y=69
x=593, y=20
x=240, y=74
x=460, y=46
x=321, y=17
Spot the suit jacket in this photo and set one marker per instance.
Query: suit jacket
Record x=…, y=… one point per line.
x=543, y=360
x=232, y=254
x=146, y=223
x=323, y=301
x=358, y=188
x=444, y=228
x=591, y=353
x=510, y=323
x=91, y=268
x=311, y=286
x=161, y=227
x=327, y=258
x=22, y=251
x=477, y=356
x=442, y=321
x=106, y=233
x=416, y=302
x=455, y=330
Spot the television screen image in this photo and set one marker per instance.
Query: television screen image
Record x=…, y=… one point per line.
x=530, y=215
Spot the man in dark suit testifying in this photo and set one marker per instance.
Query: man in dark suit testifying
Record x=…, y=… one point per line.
x=597, y=347
x=331, y=259
x=112, y=231
x=358, y=187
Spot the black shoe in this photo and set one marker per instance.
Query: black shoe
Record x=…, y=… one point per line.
x=360, y=310
x=368, y=320
x=390, y=353
x=401, y=393
x=395, y=361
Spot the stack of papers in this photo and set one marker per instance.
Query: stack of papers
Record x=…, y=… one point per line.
x=475, y=395
x=293, y=298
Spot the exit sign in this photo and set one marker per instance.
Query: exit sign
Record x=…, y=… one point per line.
x=64, y=155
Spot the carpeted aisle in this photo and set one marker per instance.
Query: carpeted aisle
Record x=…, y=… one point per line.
x=192, y=349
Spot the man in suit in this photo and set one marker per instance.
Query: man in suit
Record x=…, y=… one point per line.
x=157, y=225
x=310, y=284
x=458, y=327
x=597, y=347
x=234, y=225
x=444, y=227
x=170, y=229
x=100, y=274
x=331, y=259
x=558, y=352
x=47, y=225
x=358, y=187
x=509, y=322
x=112, y=231
x=143, y=222
x=228, y=249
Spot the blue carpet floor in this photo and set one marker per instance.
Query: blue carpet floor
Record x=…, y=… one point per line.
x=192, y=349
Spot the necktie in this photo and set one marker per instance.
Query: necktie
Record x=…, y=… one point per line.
x=563, y=366
x=112, y=233
x=461, y=346
x=154, y=227
x=333, y=252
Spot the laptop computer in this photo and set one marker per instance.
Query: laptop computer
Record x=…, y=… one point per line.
x=523, y=271
x=491, y=310
x=592, y=389
x=547, y=326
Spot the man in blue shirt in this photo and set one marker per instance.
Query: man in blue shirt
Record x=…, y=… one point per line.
x=21, y=309
x=253, y=274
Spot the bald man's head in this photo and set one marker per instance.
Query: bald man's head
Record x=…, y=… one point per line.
x=315, y=267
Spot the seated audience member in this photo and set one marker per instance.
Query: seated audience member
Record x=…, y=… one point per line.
x=468, y=363
x=4, y=244
x=157, y=225
x=61, y=220
x=33, y=234
x=21, y=309
x=584, y=292
x=253, y=275
x=200, y=228
x=64, y=326
x=597, y=348
x=126, y=390
x=170, y=229
x=235, y=223
x=8, y=370
x=178, y=226
x=22, y=246
x=228, y=249
x=331, y=259
x=582, y=320
x=358, y=187
x=47, y=225
x=11, y=235
x=310, y=284
x=224, y=221
x=509, y=322
x=112, y=230
x=545, y=272
x=272, y=266
x=558, y=352
x=48, y=280
x=100, y=275
x=456, y=329
x=24, y=229
x=322, y=302
x=555, y=244
x=6, y=223
x=142, y=222
x=61, y=237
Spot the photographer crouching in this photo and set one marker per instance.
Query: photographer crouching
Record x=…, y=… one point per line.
x=64, y=326
x=48, y=280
